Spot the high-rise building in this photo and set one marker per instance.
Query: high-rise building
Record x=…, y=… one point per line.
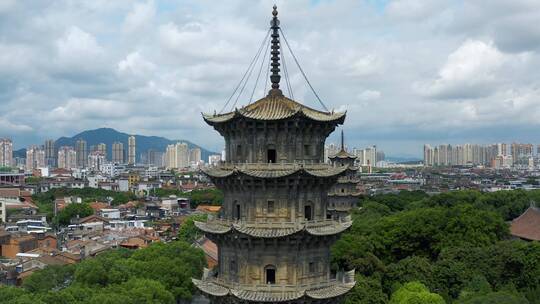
x=214, y=160
x=131, y=150
x=154, y=158
x=502, y=149
x=6, y=152
x=370, y=156
x=195, y=155
x=118, y=153
x=96, y=160
x=50, y=153
x=102, y=148
x=82, y=153
x=428, y=156
x=35, y=158
x=177, y=156
x=67, y=158
x=273, y=235
x=521, y=153
x=460, y=155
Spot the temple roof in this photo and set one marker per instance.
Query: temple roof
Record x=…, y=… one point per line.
x=274, y=170
x=211, y=288
x=276, y=293
x=342, y=154
x=277, y=229
x=527, y=225
x=275, y=107
x=267, y=296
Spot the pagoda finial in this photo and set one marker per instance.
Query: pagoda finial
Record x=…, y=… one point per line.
x=275, y=77
x=342, y=141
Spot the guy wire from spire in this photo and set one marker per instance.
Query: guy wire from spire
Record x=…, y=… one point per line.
x=243, y=77
x=286, y=73
x=266, y=77
x=259, y=74
x=342, y=141
x=302, y=71
x=249, y=74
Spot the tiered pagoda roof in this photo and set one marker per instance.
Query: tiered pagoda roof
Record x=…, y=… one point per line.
x=275, y=229
x=262, y=170
x=274, y=294
x=275, y=106
x=343, y=154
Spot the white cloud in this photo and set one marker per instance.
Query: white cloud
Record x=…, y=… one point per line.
x=135, y=63
x=469, y=72
x=8, y=126
x=414, y=9
x=76, y=109
x=369, y=95
x=77, y=44
x=152, y=66
x=140, y=16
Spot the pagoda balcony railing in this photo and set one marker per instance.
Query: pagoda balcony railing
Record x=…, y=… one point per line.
x=274, y=166
x=262, y=223
x=348, y=179
x=342, y=277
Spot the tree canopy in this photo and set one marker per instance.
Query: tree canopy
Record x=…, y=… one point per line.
x=160, y=273
x=456, y=244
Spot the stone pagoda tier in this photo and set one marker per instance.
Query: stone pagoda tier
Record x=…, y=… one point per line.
x=273, y=235
x=344, y=195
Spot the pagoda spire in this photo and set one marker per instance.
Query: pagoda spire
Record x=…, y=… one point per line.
x=342, y=141
x=275, y=77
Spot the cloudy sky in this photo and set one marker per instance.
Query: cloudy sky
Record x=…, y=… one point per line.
x=408, y=72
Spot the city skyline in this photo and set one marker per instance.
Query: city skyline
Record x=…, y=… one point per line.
x=333, y=140
x=456, y=81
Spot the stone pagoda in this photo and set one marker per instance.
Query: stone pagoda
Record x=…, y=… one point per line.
x=343, y=196
x=273, y=234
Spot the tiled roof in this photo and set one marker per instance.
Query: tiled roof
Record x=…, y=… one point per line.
x=329, y=229
x=273, y=230
x=267, y=296
x=274, y=171
x=267, y=232
x=527, y=225
x=10, y=192
x=211, y=288
x=213, y=227
x=275, y=107
x=342, y=154
x=209, y=208
x=277, y=293
x=99, y=205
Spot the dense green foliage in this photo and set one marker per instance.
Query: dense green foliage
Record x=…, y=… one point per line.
x=457, y=244
x=415, y=293
x=32, y=180
x=160, y=273
x=73, y=211
x=188, y=231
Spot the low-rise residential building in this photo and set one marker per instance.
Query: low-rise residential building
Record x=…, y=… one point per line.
x=109, y=213
x=18, y=243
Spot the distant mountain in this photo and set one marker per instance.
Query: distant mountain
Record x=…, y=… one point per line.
x=402, y=159
x=142, y=143
x=20, y=153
